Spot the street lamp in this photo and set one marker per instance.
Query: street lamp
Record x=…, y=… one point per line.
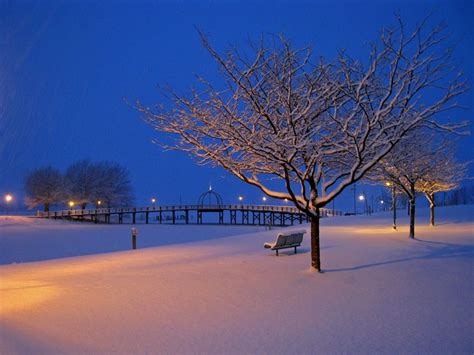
x=362, y=198
x=241, y=198
x=153, y=200
x=71, y=204
x=264, y=199
x=394, y=203
x=8, y=198
x=354, y=189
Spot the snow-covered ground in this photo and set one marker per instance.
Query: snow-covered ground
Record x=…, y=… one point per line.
x=211, y=289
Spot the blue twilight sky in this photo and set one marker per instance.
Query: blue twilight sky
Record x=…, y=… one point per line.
x=65, y=67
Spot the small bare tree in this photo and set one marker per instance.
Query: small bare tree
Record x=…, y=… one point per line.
x=108, y=182
x=446, y=174
x=80, y=181
x=314, y=128
x=44, y=186
x=112, y=185
x=422, y=162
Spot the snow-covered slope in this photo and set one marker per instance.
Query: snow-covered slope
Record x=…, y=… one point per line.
x=380, y=293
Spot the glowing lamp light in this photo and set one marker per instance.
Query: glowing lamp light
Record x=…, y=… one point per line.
x=361, y=198
x=264, y=199
x=99, y=202
x=382, y=202
x=153, y=200
x=8, y=198
x=388, y=184
x=286, y=200
x=71, y=203
x=241, y=198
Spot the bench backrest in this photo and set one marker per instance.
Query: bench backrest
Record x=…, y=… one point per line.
x=295, y=237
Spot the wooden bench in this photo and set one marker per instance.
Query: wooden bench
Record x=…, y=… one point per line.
x=286, y=240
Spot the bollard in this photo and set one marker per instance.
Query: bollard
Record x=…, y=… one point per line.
x=134, y=238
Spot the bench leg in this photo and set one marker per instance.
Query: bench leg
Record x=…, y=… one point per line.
x=295, y=250
x=276, y=251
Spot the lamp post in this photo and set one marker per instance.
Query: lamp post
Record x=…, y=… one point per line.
x=361, y=198
x=8, y=198
x=241, y=198
x=394, y=203
x=264, y=199
x=355, y=203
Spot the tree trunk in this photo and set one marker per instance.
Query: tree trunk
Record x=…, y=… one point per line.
x=46, y=207
x=432, y=210
x=412, y=218
x=394, y=207
x=412, y=211
x=83, y=205
x=315, y=249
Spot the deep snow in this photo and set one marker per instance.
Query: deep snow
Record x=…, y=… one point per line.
x=380, y=293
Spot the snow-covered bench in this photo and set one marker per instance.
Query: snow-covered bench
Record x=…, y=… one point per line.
x=286, y=240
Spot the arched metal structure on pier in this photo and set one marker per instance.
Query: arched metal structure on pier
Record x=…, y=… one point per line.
x=210, y=201
x=210, y=198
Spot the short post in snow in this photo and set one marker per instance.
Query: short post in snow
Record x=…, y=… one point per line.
x=268, y=222
x=134, y=238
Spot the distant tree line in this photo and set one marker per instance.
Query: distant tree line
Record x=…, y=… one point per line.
x=462, y=196
x=100, y=184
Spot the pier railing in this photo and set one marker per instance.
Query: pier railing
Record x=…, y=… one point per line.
x=249, y=214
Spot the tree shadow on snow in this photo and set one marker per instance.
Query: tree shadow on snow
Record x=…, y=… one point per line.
x=434, y=250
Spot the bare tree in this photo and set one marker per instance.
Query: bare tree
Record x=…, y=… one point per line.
x=43, y=186
x=107, y=182
x=446, y=174
x=315, y=129
x=422, y=162
x=80, y=182
x=112, y=185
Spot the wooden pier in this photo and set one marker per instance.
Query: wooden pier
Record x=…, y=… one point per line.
x=190, y=214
